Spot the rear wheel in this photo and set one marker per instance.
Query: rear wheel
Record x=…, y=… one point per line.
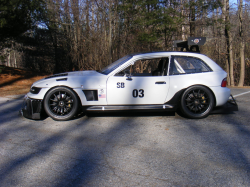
x=61, y=103
x=197, y=102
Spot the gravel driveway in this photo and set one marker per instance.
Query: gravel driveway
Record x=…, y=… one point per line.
x=125, y=150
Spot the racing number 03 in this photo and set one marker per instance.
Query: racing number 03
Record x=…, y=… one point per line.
x=137, y=93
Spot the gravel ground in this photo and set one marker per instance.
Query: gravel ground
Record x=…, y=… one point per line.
x=125, y=150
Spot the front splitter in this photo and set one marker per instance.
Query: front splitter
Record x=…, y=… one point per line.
x=31, y=108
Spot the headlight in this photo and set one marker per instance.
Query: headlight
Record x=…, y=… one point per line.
x=35, y=90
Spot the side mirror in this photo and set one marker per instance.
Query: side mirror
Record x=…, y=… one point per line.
x=127, y=72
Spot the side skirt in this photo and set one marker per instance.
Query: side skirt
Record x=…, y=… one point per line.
x=129, y=108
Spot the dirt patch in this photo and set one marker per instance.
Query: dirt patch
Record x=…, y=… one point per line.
x=15, y=81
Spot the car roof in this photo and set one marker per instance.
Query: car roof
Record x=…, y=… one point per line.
x=169, y=52
x=160, y=54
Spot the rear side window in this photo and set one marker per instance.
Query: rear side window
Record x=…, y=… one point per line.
x=186, y=65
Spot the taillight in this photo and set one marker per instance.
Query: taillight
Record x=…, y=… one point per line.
x=224, y=82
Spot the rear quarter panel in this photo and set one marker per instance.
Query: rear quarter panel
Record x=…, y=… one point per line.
x=212, y=80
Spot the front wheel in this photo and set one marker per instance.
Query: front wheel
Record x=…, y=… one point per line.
x=61, y=103
x=197, y=102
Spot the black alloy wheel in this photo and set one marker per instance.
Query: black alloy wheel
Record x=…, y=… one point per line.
x=61, y=103
x=197, y=102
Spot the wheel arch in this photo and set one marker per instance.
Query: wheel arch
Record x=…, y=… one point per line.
x=207, y=88
x=78, y=97
x=175, y=100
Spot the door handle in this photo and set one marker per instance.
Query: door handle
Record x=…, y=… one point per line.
x=160, y=82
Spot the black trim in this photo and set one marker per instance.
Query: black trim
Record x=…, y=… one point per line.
x=175, y=100
x=32, y=108
x=91, y=95
x=160, y=82
x=35, y=90
x=63, y=79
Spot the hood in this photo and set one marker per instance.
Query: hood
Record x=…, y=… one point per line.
x=65, y=76
x=74, y=73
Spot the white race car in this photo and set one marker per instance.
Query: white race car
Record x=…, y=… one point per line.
x=143, y=81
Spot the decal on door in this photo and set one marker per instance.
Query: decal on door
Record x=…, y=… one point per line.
x=101, y=93
x=120, y=85
x=137, y=93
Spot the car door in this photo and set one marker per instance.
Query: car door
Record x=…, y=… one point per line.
x=142, y=88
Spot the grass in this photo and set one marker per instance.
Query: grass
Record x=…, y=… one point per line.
x=15, y=81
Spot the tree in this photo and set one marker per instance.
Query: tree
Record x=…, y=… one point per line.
x=229, y=42
x=242, y=46
x=17, y=16
x=192, y=18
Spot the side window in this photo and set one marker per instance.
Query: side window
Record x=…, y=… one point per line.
x=147, y=67
x=186, y=65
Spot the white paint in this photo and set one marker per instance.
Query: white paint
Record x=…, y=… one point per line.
x=148, y=91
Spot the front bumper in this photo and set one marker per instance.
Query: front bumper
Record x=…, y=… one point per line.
x=31, y=108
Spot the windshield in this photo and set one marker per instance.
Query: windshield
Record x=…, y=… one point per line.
x=115, y=65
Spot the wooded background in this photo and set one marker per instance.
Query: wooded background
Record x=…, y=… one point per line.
x=53, y=36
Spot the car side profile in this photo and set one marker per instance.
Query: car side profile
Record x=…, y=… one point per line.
x=153, y=81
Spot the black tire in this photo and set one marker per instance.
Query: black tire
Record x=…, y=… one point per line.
x=61, y=103
x=197, y=102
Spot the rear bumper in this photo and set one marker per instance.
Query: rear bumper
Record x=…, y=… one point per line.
x=31, y=108
x=229, y=107
x=222, y=94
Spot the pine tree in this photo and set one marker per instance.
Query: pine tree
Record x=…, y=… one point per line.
x=17, y=16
